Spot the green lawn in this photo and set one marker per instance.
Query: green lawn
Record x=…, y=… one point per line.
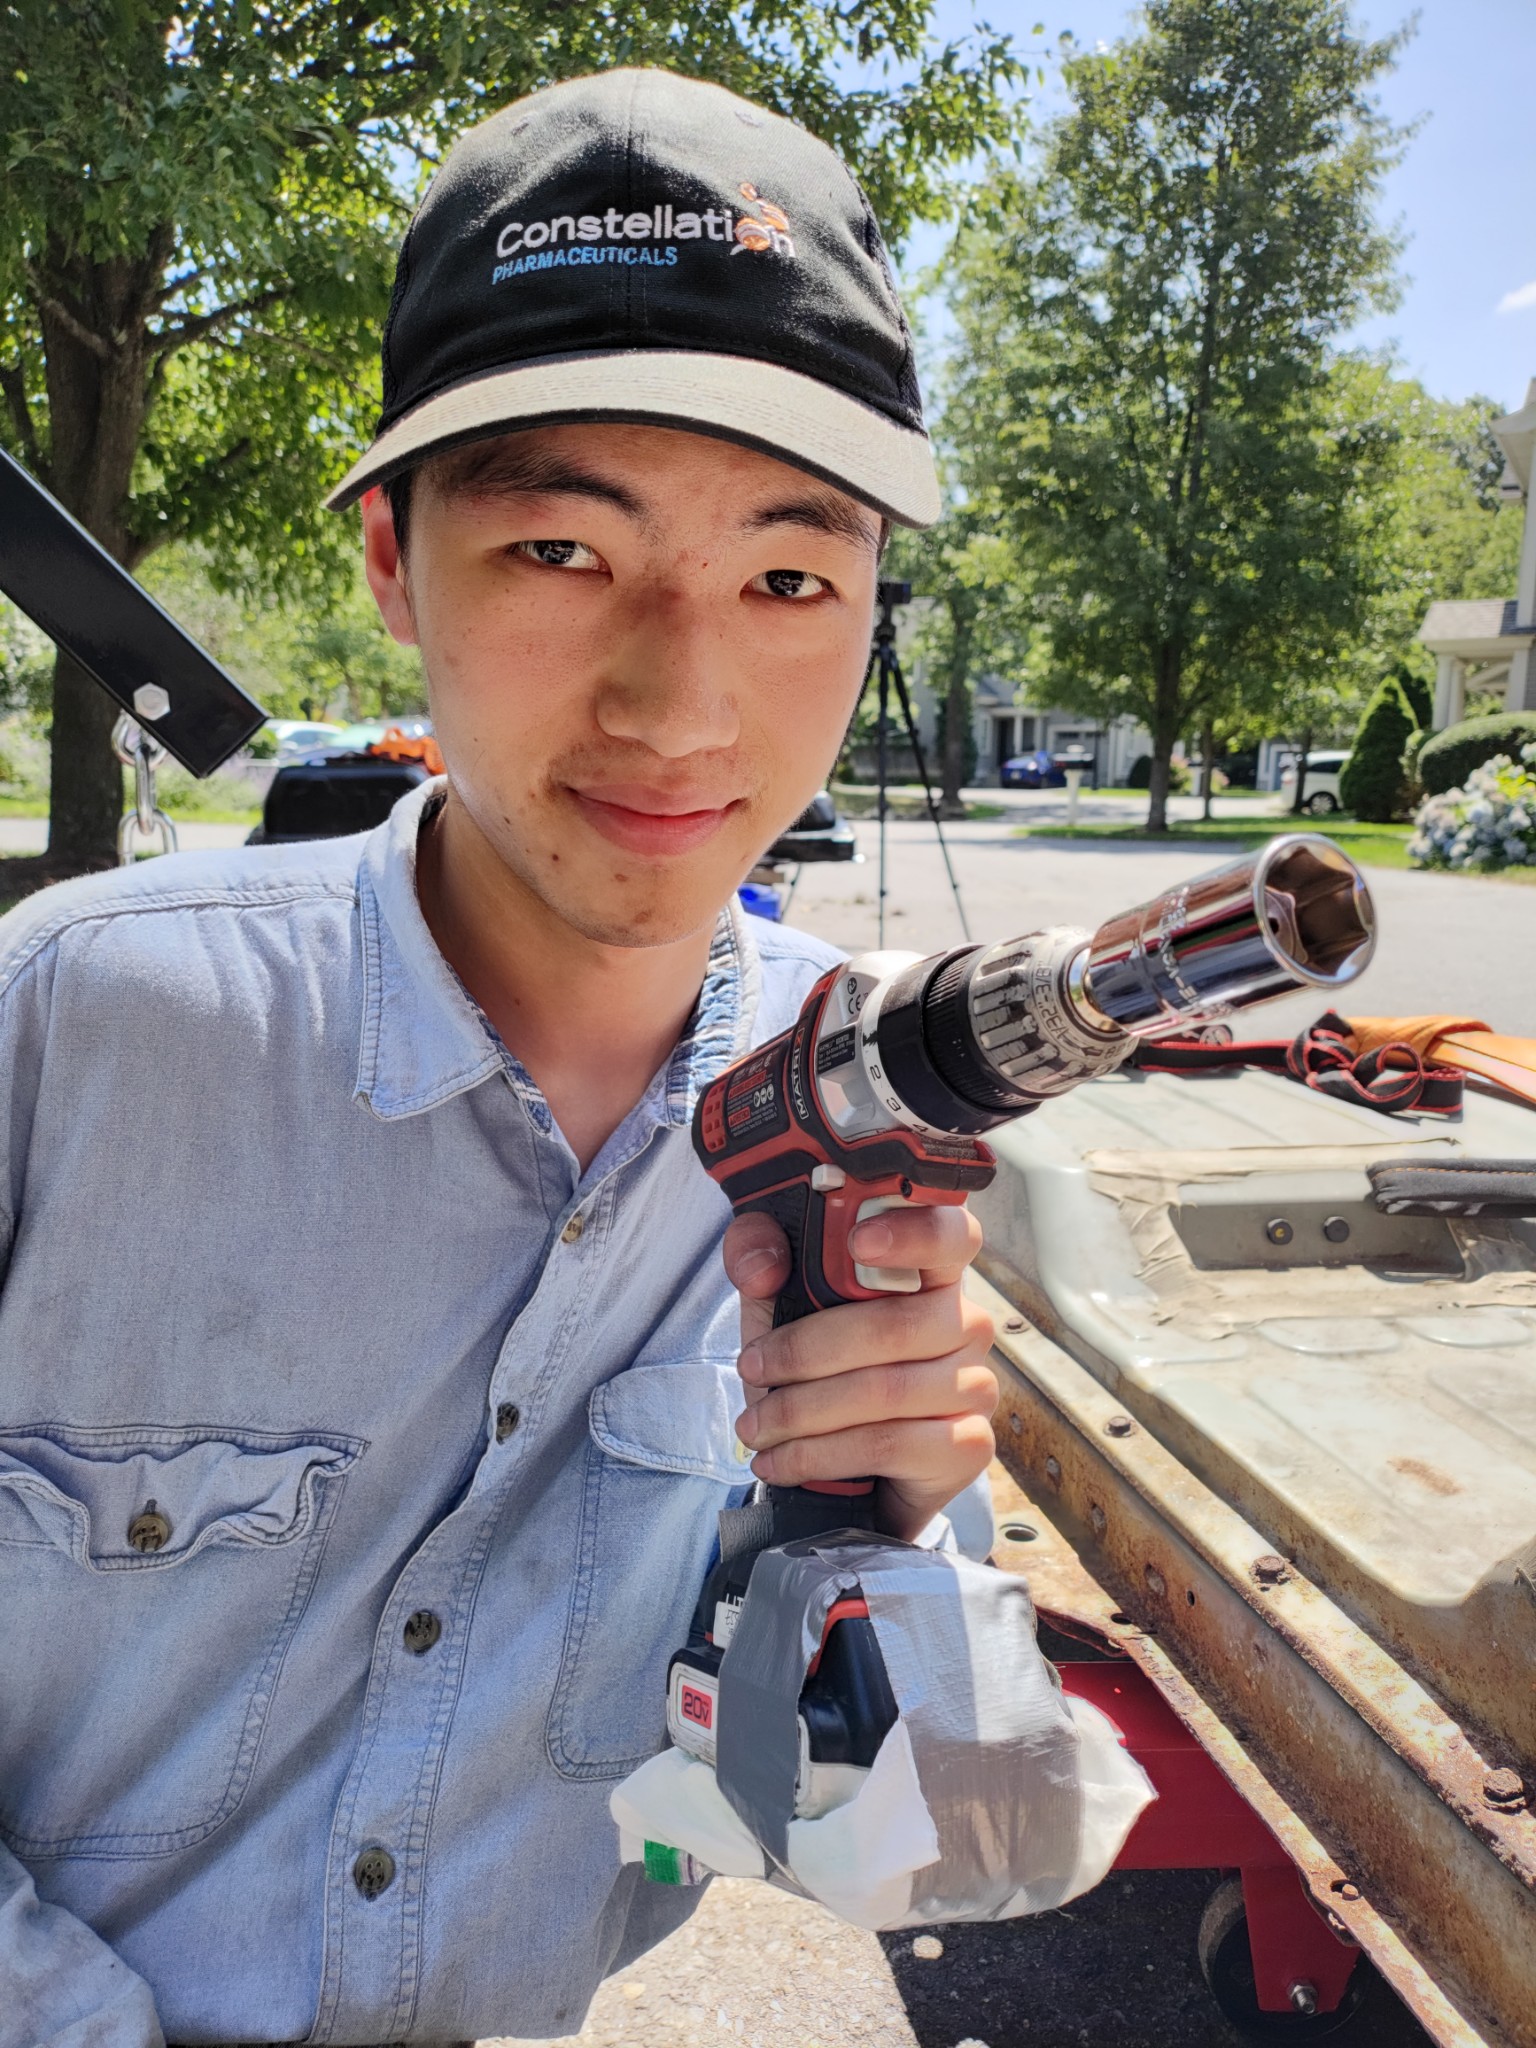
x=1373, y=846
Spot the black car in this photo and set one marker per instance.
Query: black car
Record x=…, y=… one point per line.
x=332, y=796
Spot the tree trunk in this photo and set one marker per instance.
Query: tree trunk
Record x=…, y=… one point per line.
x=93, y=318
x=1208, y=758
x=86, y=799
x=1165, y=732
x=1299, y=800
x=957, y=715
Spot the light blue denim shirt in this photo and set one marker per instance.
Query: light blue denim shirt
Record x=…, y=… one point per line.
x=359, y=1463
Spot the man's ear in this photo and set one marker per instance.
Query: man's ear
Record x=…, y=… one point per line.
x=385, y=567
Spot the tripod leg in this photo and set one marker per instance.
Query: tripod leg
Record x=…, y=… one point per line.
x=882, y=770
x=905, y=701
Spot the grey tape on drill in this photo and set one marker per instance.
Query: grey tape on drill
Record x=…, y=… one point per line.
x=995, y=1748
x=757, y=1758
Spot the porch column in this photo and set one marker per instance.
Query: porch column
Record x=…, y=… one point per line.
x=1520, y=691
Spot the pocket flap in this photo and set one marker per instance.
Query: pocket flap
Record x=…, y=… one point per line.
x=675, y=1418
x=84, y=1490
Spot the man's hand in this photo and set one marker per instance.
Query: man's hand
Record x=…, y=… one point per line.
x=898, y=1388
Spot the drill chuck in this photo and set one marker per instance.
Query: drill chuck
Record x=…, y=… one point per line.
x=962, y=1041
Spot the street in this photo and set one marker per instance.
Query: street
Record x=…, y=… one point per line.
x=1461, y=942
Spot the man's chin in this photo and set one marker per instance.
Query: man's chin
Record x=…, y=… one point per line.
x=659, y=913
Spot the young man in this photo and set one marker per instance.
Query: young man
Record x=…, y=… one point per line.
x=370, y=1372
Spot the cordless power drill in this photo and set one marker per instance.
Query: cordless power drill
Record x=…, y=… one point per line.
x=877, y=1096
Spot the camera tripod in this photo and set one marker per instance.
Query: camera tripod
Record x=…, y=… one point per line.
x=885, y=664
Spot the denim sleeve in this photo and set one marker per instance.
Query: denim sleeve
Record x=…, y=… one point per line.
x=64, y=1988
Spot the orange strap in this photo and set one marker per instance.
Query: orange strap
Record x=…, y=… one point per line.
x=1511, y=1062
x=1421, y=1033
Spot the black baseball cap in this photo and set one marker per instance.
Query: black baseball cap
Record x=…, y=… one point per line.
x=643, y=247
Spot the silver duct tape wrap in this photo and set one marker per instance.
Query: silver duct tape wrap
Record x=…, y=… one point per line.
x=993, y=1743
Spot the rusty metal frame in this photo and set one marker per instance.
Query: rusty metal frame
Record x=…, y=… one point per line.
x=1379, y=1798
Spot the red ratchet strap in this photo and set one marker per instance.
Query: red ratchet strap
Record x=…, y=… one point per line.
x=1391, y=1077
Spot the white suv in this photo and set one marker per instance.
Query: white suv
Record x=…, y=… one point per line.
x=1323, y=772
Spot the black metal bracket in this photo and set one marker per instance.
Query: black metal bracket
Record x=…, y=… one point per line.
x=70, y=587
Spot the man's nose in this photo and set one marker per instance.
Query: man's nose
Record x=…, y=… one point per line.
x=668, y=682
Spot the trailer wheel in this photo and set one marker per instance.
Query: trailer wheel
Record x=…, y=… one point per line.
x=1227, y=1965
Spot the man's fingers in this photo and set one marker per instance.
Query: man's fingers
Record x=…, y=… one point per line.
x=940, y=1242
x=756, y=1254
x=897, y=1327
x=926, y=1389
x=927, y=1461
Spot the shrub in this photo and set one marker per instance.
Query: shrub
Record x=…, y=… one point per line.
x=1421, y=698
x=1371, y=784
x=1413, y=787
x=1139, y=775
x=1491, y=823
x=1448, y=758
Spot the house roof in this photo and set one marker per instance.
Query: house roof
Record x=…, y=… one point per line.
x=1476, y=628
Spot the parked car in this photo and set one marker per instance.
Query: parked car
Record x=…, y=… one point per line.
x=820, y=833
x=337, y=793
x=297, y=736
x=1032, y=771
x=1323, y=771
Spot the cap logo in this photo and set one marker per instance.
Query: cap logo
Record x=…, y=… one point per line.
x=566, y=240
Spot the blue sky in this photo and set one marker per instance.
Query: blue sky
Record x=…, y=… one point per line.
x=1464, y=195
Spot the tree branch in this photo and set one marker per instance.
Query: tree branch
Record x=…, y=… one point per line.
x=72, y=324
x=14, y=384
x=197, y=326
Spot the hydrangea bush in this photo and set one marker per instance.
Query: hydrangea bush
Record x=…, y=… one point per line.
x=1490, y=823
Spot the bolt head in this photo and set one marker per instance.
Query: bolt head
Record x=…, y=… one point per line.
x=1303, y=1998
x=1336, y=1229
x=1270, y=1570
x=1278, y=1230
x=1505, y=1790
x=1013, y=1323
x=150, y=701
x=1119, y=1425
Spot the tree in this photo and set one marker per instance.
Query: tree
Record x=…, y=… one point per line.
x=1371, y=784
x=1144, y=389
x=201, y=210
x=972, y=627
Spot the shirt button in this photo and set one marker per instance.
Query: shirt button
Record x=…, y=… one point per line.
x=149, y=1531
x=573, y=1229
x=422, y=1631
x=508, y=1416
x=373, y=1872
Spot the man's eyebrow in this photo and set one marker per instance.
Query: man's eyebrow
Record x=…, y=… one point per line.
x=531, y=472
x=822, y=514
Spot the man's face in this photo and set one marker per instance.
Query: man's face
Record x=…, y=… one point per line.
x=642, y=648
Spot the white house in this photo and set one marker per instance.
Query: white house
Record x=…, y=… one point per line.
x=1492, y=640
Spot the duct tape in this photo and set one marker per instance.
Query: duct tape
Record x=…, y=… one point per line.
x=990, y=1737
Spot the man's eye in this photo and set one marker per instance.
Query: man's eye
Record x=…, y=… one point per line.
x=797, y=583
x=559, y=554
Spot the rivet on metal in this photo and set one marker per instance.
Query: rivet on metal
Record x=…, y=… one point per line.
x=1014, y=1323
x=1053, y=1470
x=1270, y=1570
x=1346, y=1888
x=1016, y=1424
x=1099, y=1519
x=1504, y=1790
x=1335, y=1229
x=1119, y=1425
x=1278, y=1231
x=1157, y=1585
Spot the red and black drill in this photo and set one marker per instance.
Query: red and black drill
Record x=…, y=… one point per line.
x=878, y=1095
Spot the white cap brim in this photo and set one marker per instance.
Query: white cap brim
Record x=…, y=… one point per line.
x=796, y=419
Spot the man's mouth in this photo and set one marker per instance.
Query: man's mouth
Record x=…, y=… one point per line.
x=648, y=820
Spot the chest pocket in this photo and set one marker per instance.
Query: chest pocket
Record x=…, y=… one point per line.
x=662, y=1461
x=151, y=1581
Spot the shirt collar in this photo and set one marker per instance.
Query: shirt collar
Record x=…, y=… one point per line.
x=425, y=1040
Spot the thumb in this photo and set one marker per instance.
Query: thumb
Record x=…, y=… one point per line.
x=756, y=1254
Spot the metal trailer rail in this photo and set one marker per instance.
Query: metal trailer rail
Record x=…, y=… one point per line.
x=1410, y=1843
